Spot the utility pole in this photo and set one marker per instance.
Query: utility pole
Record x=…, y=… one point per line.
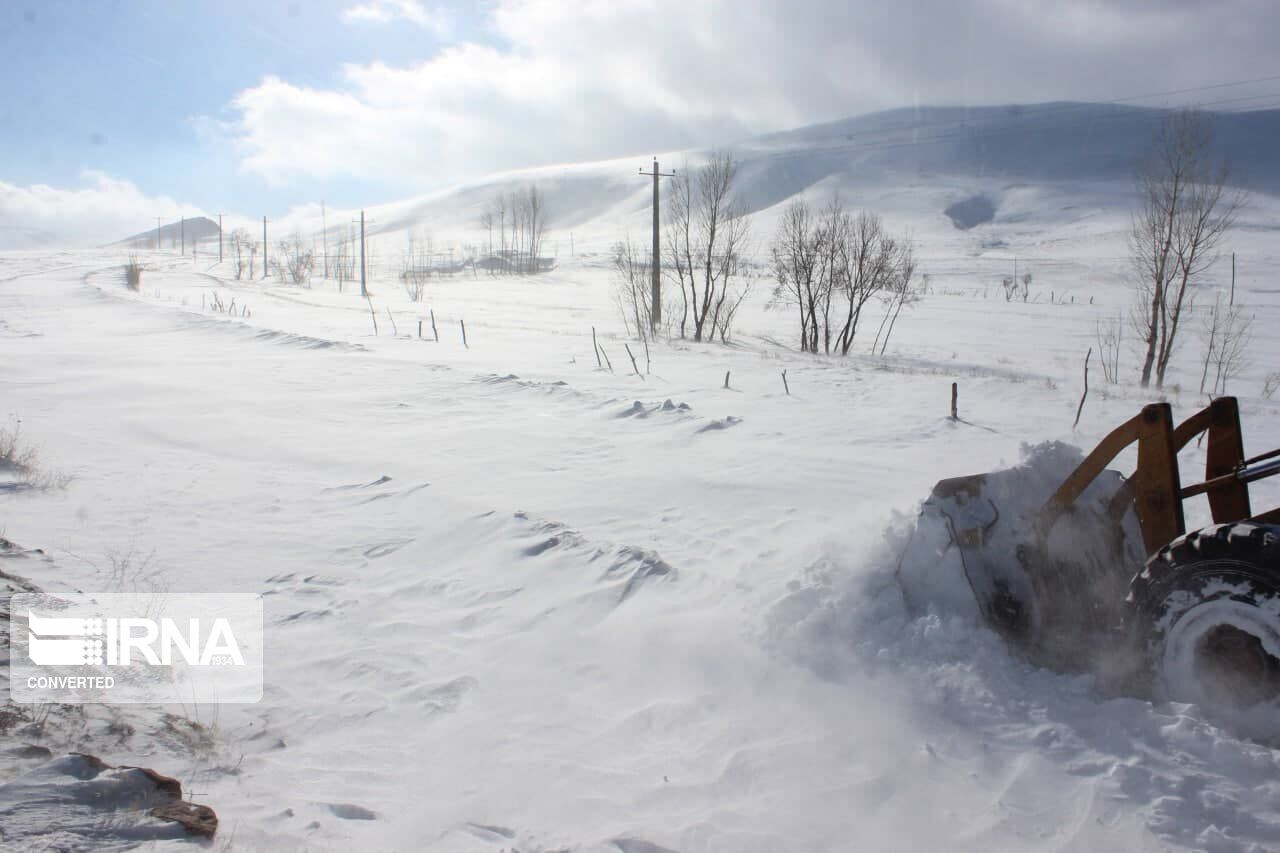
x=364, y=290
x=324, y=238
x=219, y=238
x=655, y=264
x=182, y=232
x=264, y=248
x=157, y=233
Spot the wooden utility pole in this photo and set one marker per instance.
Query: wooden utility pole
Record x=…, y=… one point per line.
x=182, y=235
x=324, y=238
x=219, y=238
x=655, y=263
x=364, y=290
x=264, y=248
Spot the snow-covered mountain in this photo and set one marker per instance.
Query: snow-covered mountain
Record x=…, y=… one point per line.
x=899, y=160
x=172, y=234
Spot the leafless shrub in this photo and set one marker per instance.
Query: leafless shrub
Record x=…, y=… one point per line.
x=1109, y=336
x=294, y=260
x=1227, y=335
x=1270, y=384
x=417, y=266
x=632, y=288
x=133, y=273
x=20, y=464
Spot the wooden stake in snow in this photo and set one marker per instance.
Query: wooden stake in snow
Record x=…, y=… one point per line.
x=394, y=331
x=419, y=330
x=645, y=339
x=596, y=347
x=785, y=386
x=607, y=362
x=434, y=330
x=373, y=316
x=1080, y=408
x=955, y=395
x=463, y=324
x=726, y=379
x=634, y=366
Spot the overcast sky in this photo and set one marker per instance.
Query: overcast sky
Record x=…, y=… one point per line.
x=116, y=112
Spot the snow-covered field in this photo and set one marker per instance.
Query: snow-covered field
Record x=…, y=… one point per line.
x=515, y=600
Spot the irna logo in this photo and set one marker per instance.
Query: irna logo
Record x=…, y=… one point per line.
x=94, y=641
x=136, y=647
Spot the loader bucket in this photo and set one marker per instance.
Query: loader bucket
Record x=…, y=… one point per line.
x=1054, y=594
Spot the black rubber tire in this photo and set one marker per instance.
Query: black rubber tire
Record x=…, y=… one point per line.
x=1212, y=592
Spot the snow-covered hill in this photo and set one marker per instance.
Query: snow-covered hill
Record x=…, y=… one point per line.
x=1077, y=156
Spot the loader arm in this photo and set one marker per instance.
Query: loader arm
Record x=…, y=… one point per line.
x=1154, y=486
x=1155, y=491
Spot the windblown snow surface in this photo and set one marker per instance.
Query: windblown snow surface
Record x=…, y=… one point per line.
x=518, y=601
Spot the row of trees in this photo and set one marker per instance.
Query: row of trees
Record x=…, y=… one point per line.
x=520, y=220
x=421, y=262
x=830, y=263
x=292, y=258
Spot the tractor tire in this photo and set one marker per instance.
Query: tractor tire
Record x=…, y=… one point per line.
x=1206, y=612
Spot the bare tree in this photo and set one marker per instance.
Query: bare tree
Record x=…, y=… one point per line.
x=240, y=243
x=706, y=236
x=534, y=213
x=1184, y=210
x=796, y=254
x=417, y=265
x=901, y=291
x=868, y=258
x=488, y=217
x=294, y=260
x=343, y=260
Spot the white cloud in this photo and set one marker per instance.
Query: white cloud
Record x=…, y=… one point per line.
x=556, y=82
x=103, y=209
x=386, y=11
